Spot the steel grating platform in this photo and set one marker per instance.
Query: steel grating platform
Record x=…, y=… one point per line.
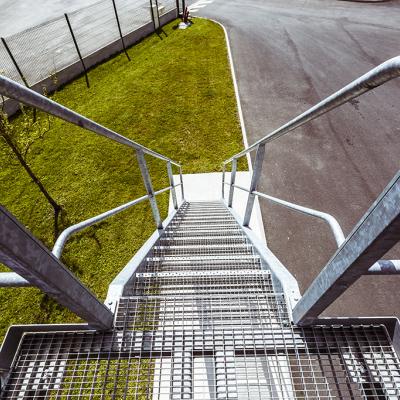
x=201, y=320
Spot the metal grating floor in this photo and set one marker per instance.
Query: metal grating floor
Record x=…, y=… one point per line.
x=198, y=324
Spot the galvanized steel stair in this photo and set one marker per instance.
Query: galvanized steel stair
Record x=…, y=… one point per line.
x=201, y=320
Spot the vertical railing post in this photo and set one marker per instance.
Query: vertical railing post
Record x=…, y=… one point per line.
x=119, y=30
x=171, y=183
x=149, y=187
x=233, y=178
x=181, y=180
x=254, y=182
x=223, y=180
x=177, y=7
x=77, y=50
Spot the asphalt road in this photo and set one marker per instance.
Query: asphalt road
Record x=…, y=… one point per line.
x=289, y=55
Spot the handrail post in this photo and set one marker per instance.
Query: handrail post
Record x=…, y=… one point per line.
x=30, y=259
x=233, y=178
x=223, y=181
x=171, y=183
x=149, y=187
x=258, y=163
x=181, y=180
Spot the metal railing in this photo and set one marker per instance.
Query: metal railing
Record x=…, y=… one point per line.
x=29, y=97
x=372, y=79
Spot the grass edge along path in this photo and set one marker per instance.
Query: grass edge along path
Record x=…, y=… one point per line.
x=176, y=97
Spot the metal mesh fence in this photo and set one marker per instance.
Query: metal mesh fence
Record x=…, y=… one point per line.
x=44, y=50
x=133, y=14
x=94, y=27
x=166, y=6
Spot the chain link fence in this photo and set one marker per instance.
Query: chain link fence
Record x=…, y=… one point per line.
x=33, y=56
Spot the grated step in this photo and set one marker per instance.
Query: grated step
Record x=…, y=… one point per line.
x=207, y=250
x=202, y=232
x=203, y=240
x=176, y=227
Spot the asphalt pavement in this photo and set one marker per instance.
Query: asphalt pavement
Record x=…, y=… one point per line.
x=289, y=55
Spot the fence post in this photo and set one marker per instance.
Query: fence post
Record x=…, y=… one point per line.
x=254, y=182
x=158, y=15
x=119, y=29
x=78, y=51
x=149, y=187
x=177, y=7
x=14, y=61
x=153, y=18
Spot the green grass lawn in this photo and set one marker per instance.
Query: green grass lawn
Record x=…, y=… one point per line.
x=176, y=97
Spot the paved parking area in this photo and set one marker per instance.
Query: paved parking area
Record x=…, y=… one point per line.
x=288, y=56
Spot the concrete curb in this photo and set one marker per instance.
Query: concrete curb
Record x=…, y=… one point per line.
x=236, y=88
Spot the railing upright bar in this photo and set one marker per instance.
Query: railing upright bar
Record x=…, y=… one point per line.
x=181, y=180
x=149, y=187
x=223, y=181
x=258, y=163
x=171, y=182
x=232, y=184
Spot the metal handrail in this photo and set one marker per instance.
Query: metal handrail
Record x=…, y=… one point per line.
x=66, y=233
x=328, y=218
x=384, y=72
x=31, y=98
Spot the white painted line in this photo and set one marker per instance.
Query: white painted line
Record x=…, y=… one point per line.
x=236, y=88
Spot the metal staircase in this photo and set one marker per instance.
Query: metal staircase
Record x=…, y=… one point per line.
x=195, y=323
x=205, y=310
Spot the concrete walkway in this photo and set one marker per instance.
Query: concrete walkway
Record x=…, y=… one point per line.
x=288, y=56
